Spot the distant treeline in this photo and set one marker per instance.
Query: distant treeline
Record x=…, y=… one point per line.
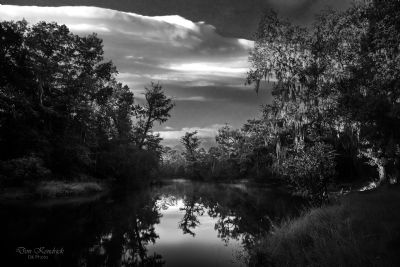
x=63, y=115
x=335, y=108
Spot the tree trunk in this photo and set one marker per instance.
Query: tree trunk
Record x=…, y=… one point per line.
x=40, y=87
x=146, y=129
x=382, y=174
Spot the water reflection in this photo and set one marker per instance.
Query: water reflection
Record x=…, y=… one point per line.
x=178, y=224
x=192, y=210
x=125, y=244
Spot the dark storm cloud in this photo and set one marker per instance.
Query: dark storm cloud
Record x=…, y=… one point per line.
x=304, y=11
x=234, y=18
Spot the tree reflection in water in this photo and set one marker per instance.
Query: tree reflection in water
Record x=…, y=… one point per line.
x=130, y=231
x=192, y=209
x=242, y=213
x=121, y=229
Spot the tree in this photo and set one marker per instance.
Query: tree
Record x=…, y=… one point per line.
x=233, y=155
x=230, y=141
x=307, y=66
x=157, y=109
x=371, y=93
x=49, y=101
x=336, y=84
x=259, y=147
x=173, y=163
x=214, y=157
x=310, y=171
x=191, y=144
x=62, y=109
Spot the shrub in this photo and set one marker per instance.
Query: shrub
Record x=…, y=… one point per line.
x=59, y=188
x=309, y=170
x=29, y=168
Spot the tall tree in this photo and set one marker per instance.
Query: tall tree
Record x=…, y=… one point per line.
x=191, y=144
x=61, y=106
x=156, y=109
x=371, y=93
x=300, y=63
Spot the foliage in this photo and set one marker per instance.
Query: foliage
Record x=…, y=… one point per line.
x=370, y=94
x=239, y=153
x=156, y=109
x=302, y=123
x=335, y=85
x=26, y=169
x=191, y=153
x=310, y=170
x=59, y=188
x=173, y=163
x=60, y=101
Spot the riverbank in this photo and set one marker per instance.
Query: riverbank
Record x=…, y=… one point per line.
x=361, y=229
x=52, y=189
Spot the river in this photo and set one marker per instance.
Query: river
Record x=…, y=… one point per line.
x=180, y=223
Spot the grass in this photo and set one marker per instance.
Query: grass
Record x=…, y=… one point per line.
x=59, y=188
x=363, y=229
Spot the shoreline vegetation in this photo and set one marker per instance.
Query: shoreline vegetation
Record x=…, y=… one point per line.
x=359, y=229
x=54, y=189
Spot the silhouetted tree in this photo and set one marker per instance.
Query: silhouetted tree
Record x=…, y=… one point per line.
x=63, y=111
x=191, y=145
x=156, y=109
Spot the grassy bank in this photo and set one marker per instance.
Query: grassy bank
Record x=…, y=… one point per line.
x=363, y=229
x=52, y=189
x=59, y=188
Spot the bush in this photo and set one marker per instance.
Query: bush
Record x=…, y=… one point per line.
x=310, y=170
x=59, y=188
x=16, y=171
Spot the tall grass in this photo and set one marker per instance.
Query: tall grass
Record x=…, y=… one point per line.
x=363, y=229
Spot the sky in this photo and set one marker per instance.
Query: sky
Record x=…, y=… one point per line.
x=196, y=49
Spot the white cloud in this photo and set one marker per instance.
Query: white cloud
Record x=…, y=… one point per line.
x=210, y=68
x=247, y=44
x=201, y=83
x=202, y=132
x=87, y=27
x=155, y=43
x=191, y=98
x=177, y=20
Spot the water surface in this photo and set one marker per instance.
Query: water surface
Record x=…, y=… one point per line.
x=181, y=223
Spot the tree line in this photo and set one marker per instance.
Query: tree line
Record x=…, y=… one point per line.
x=335, y=108
x=64, y=115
